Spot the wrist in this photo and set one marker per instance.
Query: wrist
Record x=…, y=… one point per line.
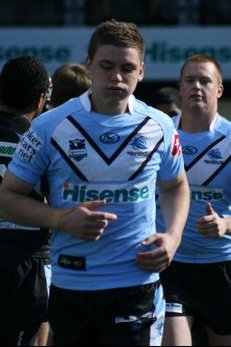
x=57, y=219
x=228, y=226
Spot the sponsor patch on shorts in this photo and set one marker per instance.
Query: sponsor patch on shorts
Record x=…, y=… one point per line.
x=174, y=307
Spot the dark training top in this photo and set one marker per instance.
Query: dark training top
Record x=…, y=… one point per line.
x=18, y=240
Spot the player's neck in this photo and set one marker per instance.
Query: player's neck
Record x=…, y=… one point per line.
x=195, y=123
x=110, y=108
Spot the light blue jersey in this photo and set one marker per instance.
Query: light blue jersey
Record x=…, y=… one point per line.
x=207, y=158
x=89, y=156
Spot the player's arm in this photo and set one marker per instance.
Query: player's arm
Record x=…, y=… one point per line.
x=175, y=200
x=82, y=221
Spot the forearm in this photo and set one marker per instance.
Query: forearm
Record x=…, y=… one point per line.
x=81, y=221
x=175, y=206
x=25, y=210
x=16, y=205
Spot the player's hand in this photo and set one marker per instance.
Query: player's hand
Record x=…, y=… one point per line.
x=211, y=225
x=84, y=221
x=160, y=256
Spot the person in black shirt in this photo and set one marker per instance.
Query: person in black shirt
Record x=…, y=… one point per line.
x=24, y=250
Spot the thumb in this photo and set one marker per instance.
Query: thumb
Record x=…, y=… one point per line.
x=150, y=240
x=91, y=205
x=209, y=209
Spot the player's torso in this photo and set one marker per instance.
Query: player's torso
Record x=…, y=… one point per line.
x=208, y=167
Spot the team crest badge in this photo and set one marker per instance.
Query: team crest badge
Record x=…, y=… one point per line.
x=139, y=148
x=77, y=149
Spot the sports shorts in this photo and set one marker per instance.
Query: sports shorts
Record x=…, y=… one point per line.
x=19, y=337
x=200, y=290
x=23, y=291
x=113, y=317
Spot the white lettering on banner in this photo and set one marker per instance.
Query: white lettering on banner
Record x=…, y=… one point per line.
x=166, y=49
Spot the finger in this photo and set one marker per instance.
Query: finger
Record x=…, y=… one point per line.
x=151, y=265
x=149, y=240
x=205, y=220
x=102, y=216
x=96, y=224
x=208, y=228
x=93, y=235
x=205, y=224
x=151, y=256
x=209, y=209
x=91, y=205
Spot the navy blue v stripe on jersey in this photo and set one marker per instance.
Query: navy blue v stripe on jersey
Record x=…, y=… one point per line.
x=108, y=160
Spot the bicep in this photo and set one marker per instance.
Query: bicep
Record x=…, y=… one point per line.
x=165, y=186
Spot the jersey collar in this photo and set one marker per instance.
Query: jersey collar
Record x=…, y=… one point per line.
x=85, y=100
x=211, y=127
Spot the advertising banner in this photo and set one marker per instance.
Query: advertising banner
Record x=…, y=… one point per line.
x=167, y=48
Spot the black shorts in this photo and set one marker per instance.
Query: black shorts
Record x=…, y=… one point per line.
x=115, y=317
x=19, y=337
x=23, y=291
x=200, y=290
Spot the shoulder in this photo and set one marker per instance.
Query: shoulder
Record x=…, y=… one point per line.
x=48, y=121
x=164, y=121
x=223, y=125
x=12, y=127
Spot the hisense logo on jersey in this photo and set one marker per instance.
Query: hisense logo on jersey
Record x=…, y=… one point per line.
x=82, y=193
x=204, y=194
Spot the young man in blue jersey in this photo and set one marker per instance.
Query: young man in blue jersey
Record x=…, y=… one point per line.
x=197, y=283
x=103, y=153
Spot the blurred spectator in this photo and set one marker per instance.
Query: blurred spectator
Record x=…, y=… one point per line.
x=68, y=81
x=47, y=103
x=167, y=99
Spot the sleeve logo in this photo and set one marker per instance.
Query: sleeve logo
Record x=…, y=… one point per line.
x=29, y=146
x=176, y=149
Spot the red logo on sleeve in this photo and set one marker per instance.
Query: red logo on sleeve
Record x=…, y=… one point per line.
x=176, y=150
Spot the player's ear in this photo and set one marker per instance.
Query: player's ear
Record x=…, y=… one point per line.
x=88, y=65
x=141, y=73
x=220, y=90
